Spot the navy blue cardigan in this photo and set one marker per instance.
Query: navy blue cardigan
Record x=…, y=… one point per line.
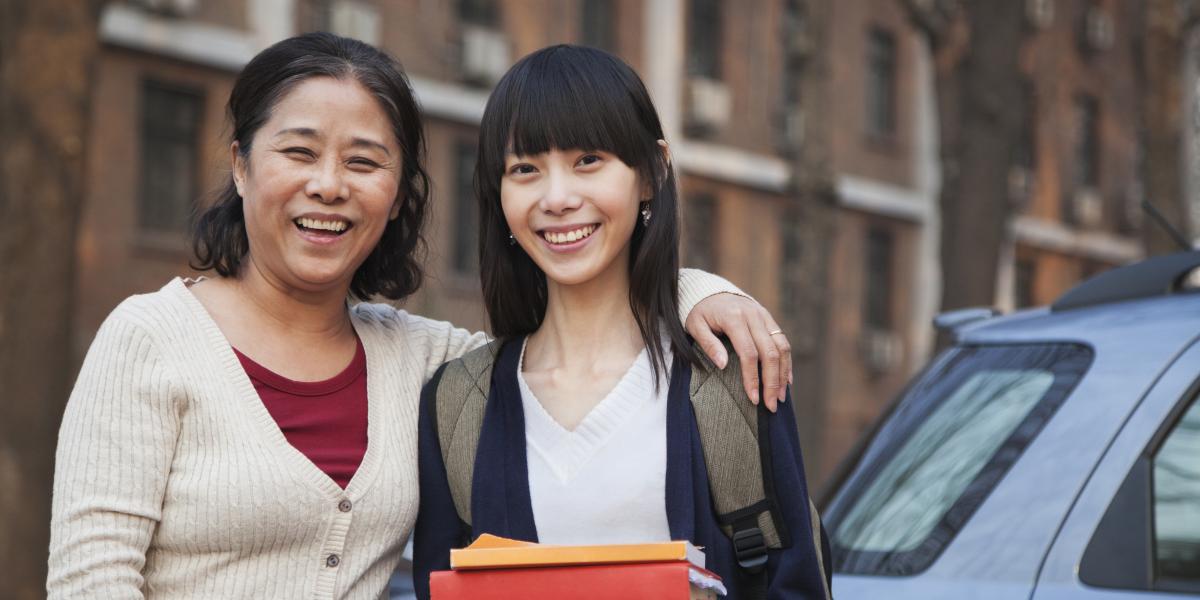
x=500, y=502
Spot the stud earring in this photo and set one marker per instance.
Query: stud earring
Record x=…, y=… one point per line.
x=512, y=241
x=646, y=214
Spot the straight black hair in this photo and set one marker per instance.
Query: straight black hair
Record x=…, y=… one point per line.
x=393, y=269
x=572, y=97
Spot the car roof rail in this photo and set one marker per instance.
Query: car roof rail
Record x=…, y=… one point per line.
x=953, y=319
x=1156, y=276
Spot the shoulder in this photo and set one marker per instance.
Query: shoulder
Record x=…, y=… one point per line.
x=388, y=318
x=156, y=313
x=467, y=370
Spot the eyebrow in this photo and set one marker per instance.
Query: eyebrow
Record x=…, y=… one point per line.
x=313, y=133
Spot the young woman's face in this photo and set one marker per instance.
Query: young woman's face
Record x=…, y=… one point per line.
x=572, y=211
x=319, y=185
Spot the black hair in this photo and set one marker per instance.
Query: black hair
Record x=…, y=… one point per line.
x=572, y=97
x=393, y=269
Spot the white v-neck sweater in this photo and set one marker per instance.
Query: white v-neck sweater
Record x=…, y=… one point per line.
x=603, y=482
x=173, y=481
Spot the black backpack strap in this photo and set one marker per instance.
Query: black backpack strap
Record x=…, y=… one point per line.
x=737, y=454
x=462, y=394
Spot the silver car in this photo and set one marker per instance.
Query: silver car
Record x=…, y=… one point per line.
x=1052, y=453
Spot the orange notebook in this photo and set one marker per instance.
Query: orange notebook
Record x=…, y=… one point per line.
x=491, y=552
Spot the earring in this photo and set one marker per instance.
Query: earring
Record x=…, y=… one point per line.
x=512, y=241
x=646, y=214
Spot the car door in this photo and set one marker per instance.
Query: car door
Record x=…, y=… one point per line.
x=1134, y=530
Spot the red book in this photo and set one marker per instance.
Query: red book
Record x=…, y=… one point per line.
x=632, y=581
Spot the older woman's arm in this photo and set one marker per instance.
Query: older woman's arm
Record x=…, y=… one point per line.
x=709, y=306
x=114, y=452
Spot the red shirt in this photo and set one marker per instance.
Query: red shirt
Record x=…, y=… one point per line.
x=325, y=420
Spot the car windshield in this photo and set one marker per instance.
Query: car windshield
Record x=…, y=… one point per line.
x=950, y=439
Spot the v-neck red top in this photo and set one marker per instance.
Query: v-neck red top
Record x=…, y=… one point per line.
x=325, y=420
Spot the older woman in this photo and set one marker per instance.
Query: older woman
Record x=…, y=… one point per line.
x=253, y=435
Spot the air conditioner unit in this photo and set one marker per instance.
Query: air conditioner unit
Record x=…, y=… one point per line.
x=1087, y=207
x=708, y=105
x=1039, y=13
x=484, y=54
x=1020, y=186
x=357, y=20
x=170, y=8
x=881, y=350
x=1097, y=29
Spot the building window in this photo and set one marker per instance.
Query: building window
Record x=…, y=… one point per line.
x=478, y=12
x=1087, y=142
x=314, y=15
x=1024, y=277
x=877, y=303
x=466, y=210
x=881, y=83
x=170, y=156
x=700, y=214
x=704, y=39
x=599, y=24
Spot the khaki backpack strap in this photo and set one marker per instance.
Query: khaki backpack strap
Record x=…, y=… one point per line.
x=462, y=395
x=737, y=455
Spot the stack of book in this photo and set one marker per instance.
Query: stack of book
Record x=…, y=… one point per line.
x=499, y=568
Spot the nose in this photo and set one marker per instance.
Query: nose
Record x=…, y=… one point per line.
x=561, y=194
x=326, y=183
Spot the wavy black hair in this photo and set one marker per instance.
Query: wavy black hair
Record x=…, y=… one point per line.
x=393, y=269
x=572, y=97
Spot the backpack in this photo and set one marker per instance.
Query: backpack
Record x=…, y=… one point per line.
x=733, y=432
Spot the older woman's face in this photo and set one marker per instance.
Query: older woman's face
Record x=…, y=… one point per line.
x=319, y=185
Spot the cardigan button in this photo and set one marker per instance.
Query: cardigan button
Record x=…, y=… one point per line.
x=345, y=505
x=332, y=561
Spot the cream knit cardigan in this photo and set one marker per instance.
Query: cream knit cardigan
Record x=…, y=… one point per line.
x=173, y=481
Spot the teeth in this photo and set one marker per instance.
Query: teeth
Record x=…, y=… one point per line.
x=334, y=226
x=559, y=237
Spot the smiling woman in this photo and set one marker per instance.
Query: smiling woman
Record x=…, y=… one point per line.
x=586, y=433
x=253, y=434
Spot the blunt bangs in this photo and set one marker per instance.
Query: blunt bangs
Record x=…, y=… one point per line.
x=567, y=97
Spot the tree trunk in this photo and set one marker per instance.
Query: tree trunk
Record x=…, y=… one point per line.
x=981, y=110
x=809, y=221
x=46, y=52
x=1163, y=120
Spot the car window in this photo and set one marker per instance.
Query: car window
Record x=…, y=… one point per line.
x=1177, y=500
x=950, y=440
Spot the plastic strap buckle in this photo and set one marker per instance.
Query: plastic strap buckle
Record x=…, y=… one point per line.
x=750, y=547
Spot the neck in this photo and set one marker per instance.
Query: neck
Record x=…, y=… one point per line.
x=296, y=312
x=586, y=324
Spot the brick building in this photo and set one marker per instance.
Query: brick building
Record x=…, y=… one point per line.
x=718, y=72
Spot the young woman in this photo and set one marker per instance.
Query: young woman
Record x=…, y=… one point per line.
x=253, y=435
x=588, y=435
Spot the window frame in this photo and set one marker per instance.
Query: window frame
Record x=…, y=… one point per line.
x=881, y=97
x=878, y=298
x=705, y=45
x=146, y=130
x=1073, y=365
x=604, y=36
x=464, y=260
x=1129, y=522
x=700, y=212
